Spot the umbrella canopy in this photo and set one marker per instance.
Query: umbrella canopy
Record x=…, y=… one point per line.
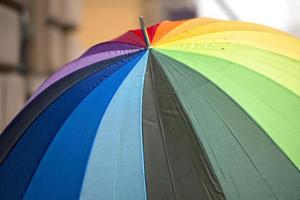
x=192, y=109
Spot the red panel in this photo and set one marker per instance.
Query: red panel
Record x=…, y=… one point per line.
x=151, y=31
x=131, y=37
x=136, y=37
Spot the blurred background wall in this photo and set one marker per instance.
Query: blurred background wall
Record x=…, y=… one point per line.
x=39, y=36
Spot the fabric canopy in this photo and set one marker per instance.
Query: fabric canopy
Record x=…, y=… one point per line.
x=210, y=110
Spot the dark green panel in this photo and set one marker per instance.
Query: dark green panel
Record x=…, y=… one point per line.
x=247, y=163
x=159, y=182
x=175, y=165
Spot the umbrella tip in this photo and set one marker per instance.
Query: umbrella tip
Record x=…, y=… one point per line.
x=145, y=33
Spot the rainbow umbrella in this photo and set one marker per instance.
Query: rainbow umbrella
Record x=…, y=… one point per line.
x=192, y=109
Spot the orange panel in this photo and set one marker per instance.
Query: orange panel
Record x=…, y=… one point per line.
x=164, y=27
x=185, y=25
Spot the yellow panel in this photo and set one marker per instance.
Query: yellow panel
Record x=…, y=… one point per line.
x=212, y=27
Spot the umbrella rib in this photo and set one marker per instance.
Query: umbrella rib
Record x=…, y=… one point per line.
x=145, y=33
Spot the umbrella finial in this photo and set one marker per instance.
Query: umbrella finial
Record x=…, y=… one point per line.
x=145, y=33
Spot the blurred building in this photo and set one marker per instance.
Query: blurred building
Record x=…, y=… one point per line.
x=39, y=36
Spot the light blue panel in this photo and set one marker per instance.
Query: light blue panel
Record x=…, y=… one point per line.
x=61, y=171
x=116, y=165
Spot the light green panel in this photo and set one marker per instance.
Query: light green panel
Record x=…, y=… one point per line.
x=281, y=69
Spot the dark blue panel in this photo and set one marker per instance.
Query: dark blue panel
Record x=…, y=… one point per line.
x=20, y=165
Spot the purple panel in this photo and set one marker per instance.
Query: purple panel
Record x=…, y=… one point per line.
x=109, y=46
x=77, y=65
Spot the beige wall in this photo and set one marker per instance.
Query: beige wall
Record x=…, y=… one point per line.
x=106, y=19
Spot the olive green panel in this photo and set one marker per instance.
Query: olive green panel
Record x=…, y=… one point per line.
x=273, y=107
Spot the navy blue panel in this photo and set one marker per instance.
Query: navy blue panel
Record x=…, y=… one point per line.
x=19, y=166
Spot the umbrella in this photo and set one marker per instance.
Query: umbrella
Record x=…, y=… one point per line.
x=192, y=109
